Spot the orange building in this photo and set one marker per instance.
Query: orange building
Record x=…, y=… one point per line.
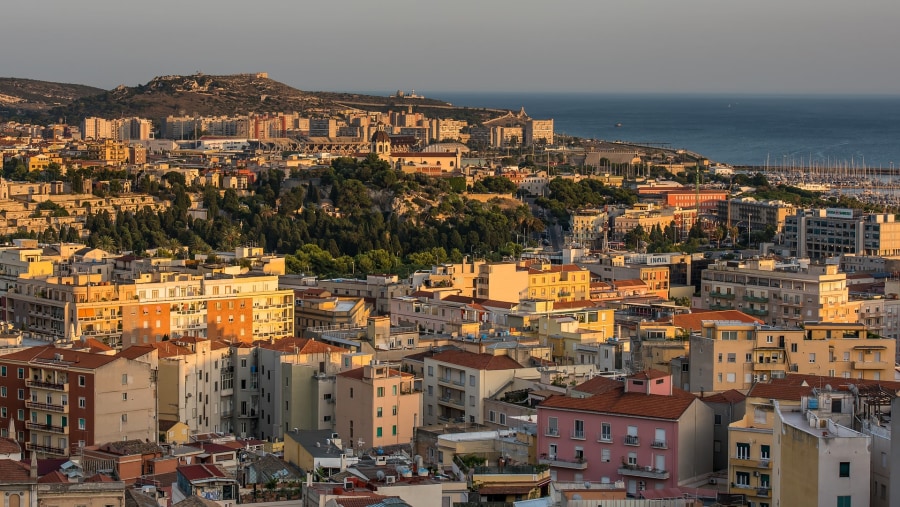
x=377, y=405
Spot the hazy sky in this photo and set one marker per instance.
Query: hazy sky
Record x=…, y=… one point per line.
x=660, y=46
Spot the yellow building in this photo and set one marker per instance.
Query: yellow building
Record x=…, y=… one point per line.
x=750, y=440
x=735, y=355
x=110, y=151
x=501, y=281
x=559, y=283
x=174, y=432
x=564, y=332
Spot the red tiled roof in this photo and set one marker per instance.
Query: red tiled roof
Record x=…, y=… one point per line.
x=211, y=448
x=302, y=346
x=54, y=477
x=779, y=391
x=598, y=385
x=92, y=345
x=361, y=499
x=197, y=472
x=136, y=351
x=477, y=361
x=838, y=383
x=617, y=401
x=506, y=490
x=729, y=396
x=634, y=282
x=649, y=374
x=12, y=471
x=693, y=321
x=170, y=349
x=99, y=478
x=84, y=360
x=9, y=446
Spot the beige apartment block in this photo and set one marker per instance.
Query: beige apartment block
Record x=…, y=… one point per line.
x=377, y=406
x=780, y=295
x=502, y=281
x=736, y=355
x=833, y=232
x=567, y=282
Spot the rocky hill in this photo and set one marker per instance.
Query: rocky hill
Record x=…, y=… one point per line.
x=24, y=96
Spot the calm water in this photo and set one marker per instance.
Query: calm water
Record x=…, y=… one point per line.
x=741, y=130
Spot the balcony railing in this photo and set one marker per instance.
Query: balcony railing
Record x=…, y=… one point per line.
x=46, y=449
x=659, y=444
x=555, y=461
x=721, y=295
x=631, y=440
x=868, y=365
x=647, y=471
x=47, y=427
x=577, y=435
x=37, y=384
x=763, y=491
x=45, y=406
x=764, y=463
x=756, y=299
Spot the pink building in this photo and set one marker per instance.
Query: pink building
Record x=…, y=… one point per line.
x=643, y=431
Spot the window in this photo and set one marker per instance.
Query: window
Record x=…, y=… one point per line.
x=394, y=389
x=20, y=414
x=124, y=417
x=503, y=419
x=124, y=396
x=764, y=452
x=378, y=431
x=378, y=412
x=579, y=429
x=82, y=424
x=812, y=357
x=21, y=394
x=380, y=392
x=793, y=347
x=472, y=380
x=552, y=426
x=732, y=357
x=431, y=371
x=3, y=412
x=82, y=403
x=20, y=373
x=394, y=430
x=743, y=451
x=491, y=416
x=605, y=432
x=604, y=455
x=124, y=379
x=471, y=401
x=3, y=392
x=843, y=501
x=351, y=392
x=730, y=378
x=844, y=469
x=81, y=381
x=742, y=479
x=2, y=371
x=718, y=419
x=836, y=406
x=394, y=410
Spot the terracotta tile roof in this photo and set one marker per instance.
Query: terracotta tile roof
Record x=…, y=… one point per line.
x=779, y=391
x=211, y=448
x=83, y=360
x=729, y=396
x=170, y=349
x=54, y=477
x=197, y=472
x=302, y=346
x=218, y=345
x=361, y=499
x=477, y=361
x=693, y=320
x=166, y=425
x=136, y=351
x=617, y=401
x=12, y=472
x=9, y=446
x=99, y=478
x=92, y=345
x=357, y=373
x=634, y=282
x=598, y=385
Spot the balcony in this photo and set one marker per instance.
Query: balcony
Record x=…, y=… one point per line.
x=659, y=444
x=47, y=407
x=769, y=365
x=46, y=449
x=53, y=386
x=647, y=472
x=764, y=463
x=721, y=307
x=869, y=365
x=721, y=295
x=755, y=311
x=763, y=492
x=551, y=432
x=447, y=381
x=756, y=299
x=555, y=461
x=631, y=440
x=577, y=435
x=449, y=400
x=64, y=430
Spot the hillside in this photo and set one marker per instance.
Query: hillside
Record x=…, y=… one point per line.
x=18, y=96
x=206, y=95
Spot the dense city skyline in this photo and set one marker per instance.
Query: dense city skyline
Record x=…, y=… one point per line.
x=694, y=46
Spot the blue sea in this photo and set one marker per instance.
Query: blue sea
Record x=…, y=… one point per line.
x=741, y=130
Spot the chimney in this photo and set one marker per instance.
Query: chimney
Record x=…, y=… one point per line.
x=34, y=466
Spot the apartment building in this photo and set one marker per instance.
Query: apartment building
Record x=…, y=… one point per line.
x=833, y=232
x=567, y=282
x=319, y=308
x=818, y=460
x=502, y=281
x=456, y=383
x=515, y=129
x=297, y=384
x=735, y=355
x=779, y=294
x=648, y=216
x=192, y=384
x=379, y=406
x=758, y=214
x=58, y=400
x=644, y=431
x=589, y=227
x=377, y=290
